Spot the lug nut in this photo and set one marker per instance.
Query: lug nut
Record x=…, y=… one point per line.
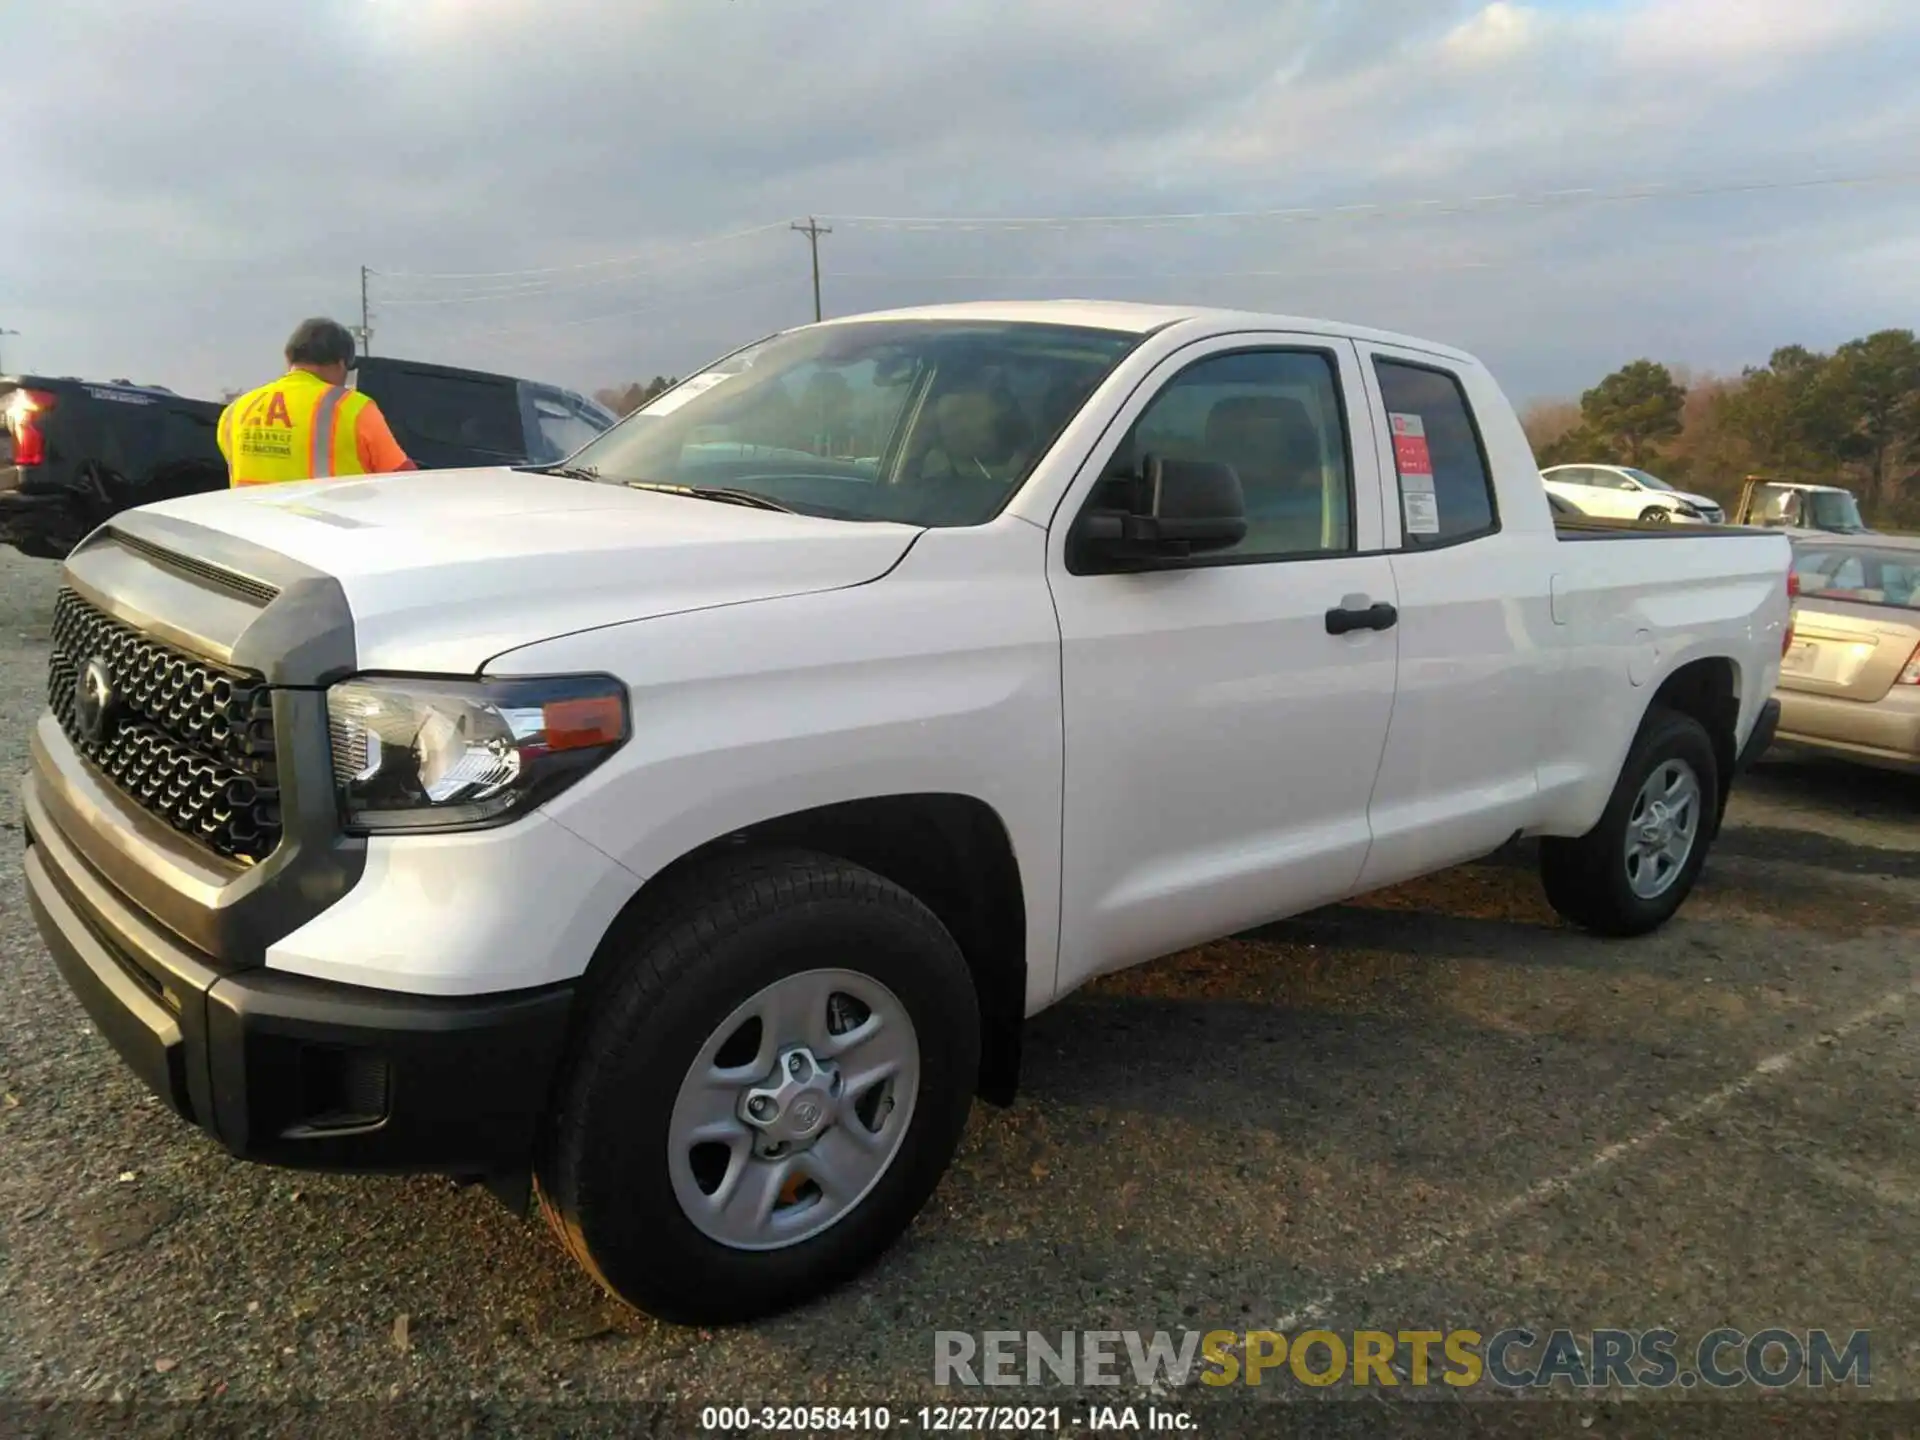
x=794, y=1066
x=760, y=1108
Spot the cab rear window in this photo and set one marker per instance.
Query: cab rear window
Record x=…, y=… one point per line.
x=1446, y=492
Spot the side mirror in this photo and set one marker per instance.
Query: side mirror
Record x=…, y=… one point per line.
x=1171, y=510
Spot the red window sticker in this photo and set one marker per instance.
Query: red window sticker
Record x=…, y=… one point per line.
x=1418, y=504
x=1410, y=455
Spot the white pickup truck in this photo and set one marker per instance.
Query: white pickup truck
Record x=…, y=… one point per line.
x=682, y=835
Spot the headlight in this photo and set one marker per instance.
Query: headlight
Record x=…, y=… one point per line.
x=441, y=754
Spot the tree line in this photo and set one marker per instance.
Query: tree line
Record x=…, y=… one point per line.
x=623, y=400
x=1848, y=417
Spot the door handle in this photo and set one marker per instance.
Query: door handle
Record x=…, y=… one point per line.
x=1381, y=616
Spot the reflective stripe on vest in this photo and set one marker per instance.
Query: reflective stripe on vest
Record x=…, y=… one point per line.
x=326, y=415
x=296, y=428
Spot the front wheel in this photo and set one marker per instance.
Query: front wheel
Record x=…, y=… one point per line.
x=1628, y=874
x=770, y=1085
x=1656, y=515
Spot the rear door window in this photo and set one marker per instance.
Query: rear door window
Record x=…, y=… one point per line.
x=1445, y=485
x=455, y=410
x=1863, y=576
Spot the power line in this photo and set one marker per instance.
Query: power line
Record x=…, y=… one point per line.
x=1123, y=275
x=580, y=265
x=1718, y=247
x=661, y=304
x=526, y=283
x=1371, y=209
x=536, y=282
x=540, y=289
x=813, y=230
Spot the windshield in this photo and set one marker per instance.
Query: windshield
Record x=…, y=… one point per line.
x=924, y=422
x=1652, y=482
x=1865, y=575
x=1832, y=510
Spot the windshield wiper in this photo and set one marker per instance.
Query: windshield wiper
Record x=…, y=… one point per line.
x=720, y=493
x=571, y=472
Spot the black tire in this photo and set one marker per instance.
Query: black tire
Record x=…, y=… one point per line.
x=1656, y=515
x=722, y=934
x=41, y=547
x=1586, y=879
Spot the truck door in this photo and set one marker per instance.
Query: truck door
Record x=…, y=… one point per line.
x=444, y=418
x=1221, y=737
x=1478, y=650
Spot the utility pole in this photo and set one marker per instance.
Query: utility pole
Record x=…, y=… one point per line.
x=365, y=328
x=813, y=230
x=3, y=333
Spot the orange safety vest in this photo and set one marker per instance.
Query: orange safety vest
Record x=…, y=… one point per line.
x=296, y=428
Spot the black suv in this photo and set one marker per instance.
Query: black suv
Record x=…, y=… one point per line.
x=74, y=452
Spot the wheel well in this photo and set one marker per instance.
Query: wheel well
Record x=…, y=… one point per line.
x=952, y=853
x=1709, y=691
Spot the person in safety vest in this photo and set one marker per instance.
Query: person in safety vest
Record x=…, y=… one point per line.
x=307, y=425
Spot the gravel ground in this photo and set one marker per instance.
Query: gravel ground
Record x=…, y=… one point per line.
x=1433, y=1108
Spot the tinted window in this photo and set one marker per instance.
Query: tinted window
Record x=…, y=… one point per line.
x=1275, y=417
x=452, y=410
x=1445, y=492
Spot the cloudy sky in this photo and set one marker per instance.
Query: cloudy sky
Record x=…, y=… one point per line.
x=594, y=190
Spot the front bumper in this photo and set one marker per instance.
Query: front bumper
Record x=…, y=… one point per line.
x=292, y=1070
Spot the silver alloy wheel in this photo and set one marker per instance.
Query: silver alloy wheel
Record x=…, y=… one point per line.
x=793, y=1109
x=1662, y=828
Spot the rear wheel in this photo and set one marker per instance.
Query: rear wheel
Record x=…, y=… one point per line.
x=769, y=1088
x=1628, y=874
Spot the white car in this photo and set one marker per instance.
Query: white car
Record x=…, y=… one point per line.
x=692, y=827
x=1620, y=492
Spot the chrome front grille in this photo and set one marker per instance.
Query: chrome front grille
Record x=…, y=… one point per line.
x=188, y=741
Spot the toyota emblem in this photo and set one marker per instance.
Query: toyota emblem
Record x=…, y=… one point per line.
x=94, y=701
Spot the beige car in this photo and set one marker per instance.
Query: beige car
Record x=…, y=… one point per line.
x=1850, y=680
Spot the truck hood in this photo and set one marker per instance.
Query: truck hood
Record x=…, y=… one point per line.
x=445, y=569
